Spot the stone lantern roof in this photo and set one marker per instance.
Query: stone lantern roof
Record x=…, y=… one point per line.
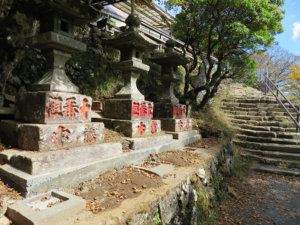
x=170, y=56
x=132, y=37
x=80, y=13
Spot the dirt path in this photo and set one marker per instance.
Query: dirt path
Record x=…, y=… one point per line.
x=265, y=199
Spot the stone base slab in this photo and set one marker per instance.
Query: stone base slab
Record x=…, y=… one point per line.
x=31, y=185
x=45, y=162
x=47, y=137
x=9, y=132
x=176, y=125
x=128, y=109
x=183, y=134
x=141, y=143
x=6, y=155
x=169, y=110
x=21, y=213
x=132, y=128
x=47, y=107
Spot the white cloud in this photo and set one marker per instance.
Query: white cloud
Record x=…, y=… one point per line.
x=296, y=30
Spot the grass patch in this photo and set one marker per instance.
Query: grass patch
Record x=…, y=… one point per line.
x=213, y=119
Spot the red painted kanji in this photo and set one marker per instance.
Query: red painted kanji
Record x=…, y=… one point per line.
x=55, y=137
x=175, y=110
x=149, y=110
x=61, y=136
x=183, y=111
x=141, y=128
x=54, y=108
x=154, y=127
x=65, y=135
x=135, y=109
x=143, y=110
x=71, y=110
x=180, y=125
x=90, y=135
x=187, y=124
x=180, y=111
x=85, y=109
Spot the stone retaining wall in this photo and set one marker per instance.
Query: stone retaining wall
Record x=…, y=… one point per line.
x=189, y=199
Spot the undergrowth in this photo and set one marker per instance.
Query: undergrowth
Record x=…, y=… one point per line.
x=212, y=120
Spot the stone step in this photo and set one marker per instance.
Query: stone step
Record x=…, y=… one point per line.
x=256, y=133
x=270, y=134
x=258, y=113
x=279, y=171
x=261, y=118
x=263, y=109
x=266, y=128
x=272, y=161
x=269, y=146
x=281, y=148
x=280, y=155
x=253, y=100
x=268, y=140
x=274, y=124
x=40, y=163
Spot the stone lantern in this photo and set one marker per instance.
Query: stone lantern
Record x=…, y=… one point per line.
x=128, y=111
x=167, y=109
x=53, y=121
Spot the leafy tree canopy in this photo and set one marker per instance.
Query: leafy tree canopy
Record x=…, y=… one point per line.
x=224, y=34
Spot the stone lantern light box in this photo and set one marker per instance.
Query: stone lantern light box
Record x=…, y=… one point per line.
x=58, y=24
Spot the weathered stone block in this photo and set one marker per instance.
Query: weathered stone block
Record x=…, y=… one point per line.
x=46, y=137
x=172, y=111
x=45, y=162
x=147, y=142
x=184, y=134
x=9, y=132
x=21, y=213
x=137, y=128
x=128, y=109
x=176, y=125
x=52, y=107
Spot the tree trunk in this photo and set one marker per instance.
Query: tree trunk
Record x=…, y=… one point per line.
x=14, y=28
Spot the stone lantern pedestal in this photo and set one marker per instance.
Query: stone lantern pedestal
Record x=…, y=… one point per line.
x=173, y=116
x=53, y=129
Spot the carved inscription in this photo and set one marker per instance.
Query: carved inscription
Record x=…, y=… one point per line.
x=141, y=128
x=179, y=110
x=85, y=109
x=149, y=110
x=135, y=109
x=71, y=109
x=180, y=125
x=142, y=110
x=90, y=135
x=54, y=108
x=187, y=124
x=61, y=136
x=154, y=127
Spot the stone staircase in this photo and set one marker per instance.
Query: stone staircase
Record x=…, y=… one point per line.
x=266, y=132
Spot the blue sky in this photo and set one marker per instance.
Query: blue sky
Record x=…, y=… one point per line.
x=290, y=38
